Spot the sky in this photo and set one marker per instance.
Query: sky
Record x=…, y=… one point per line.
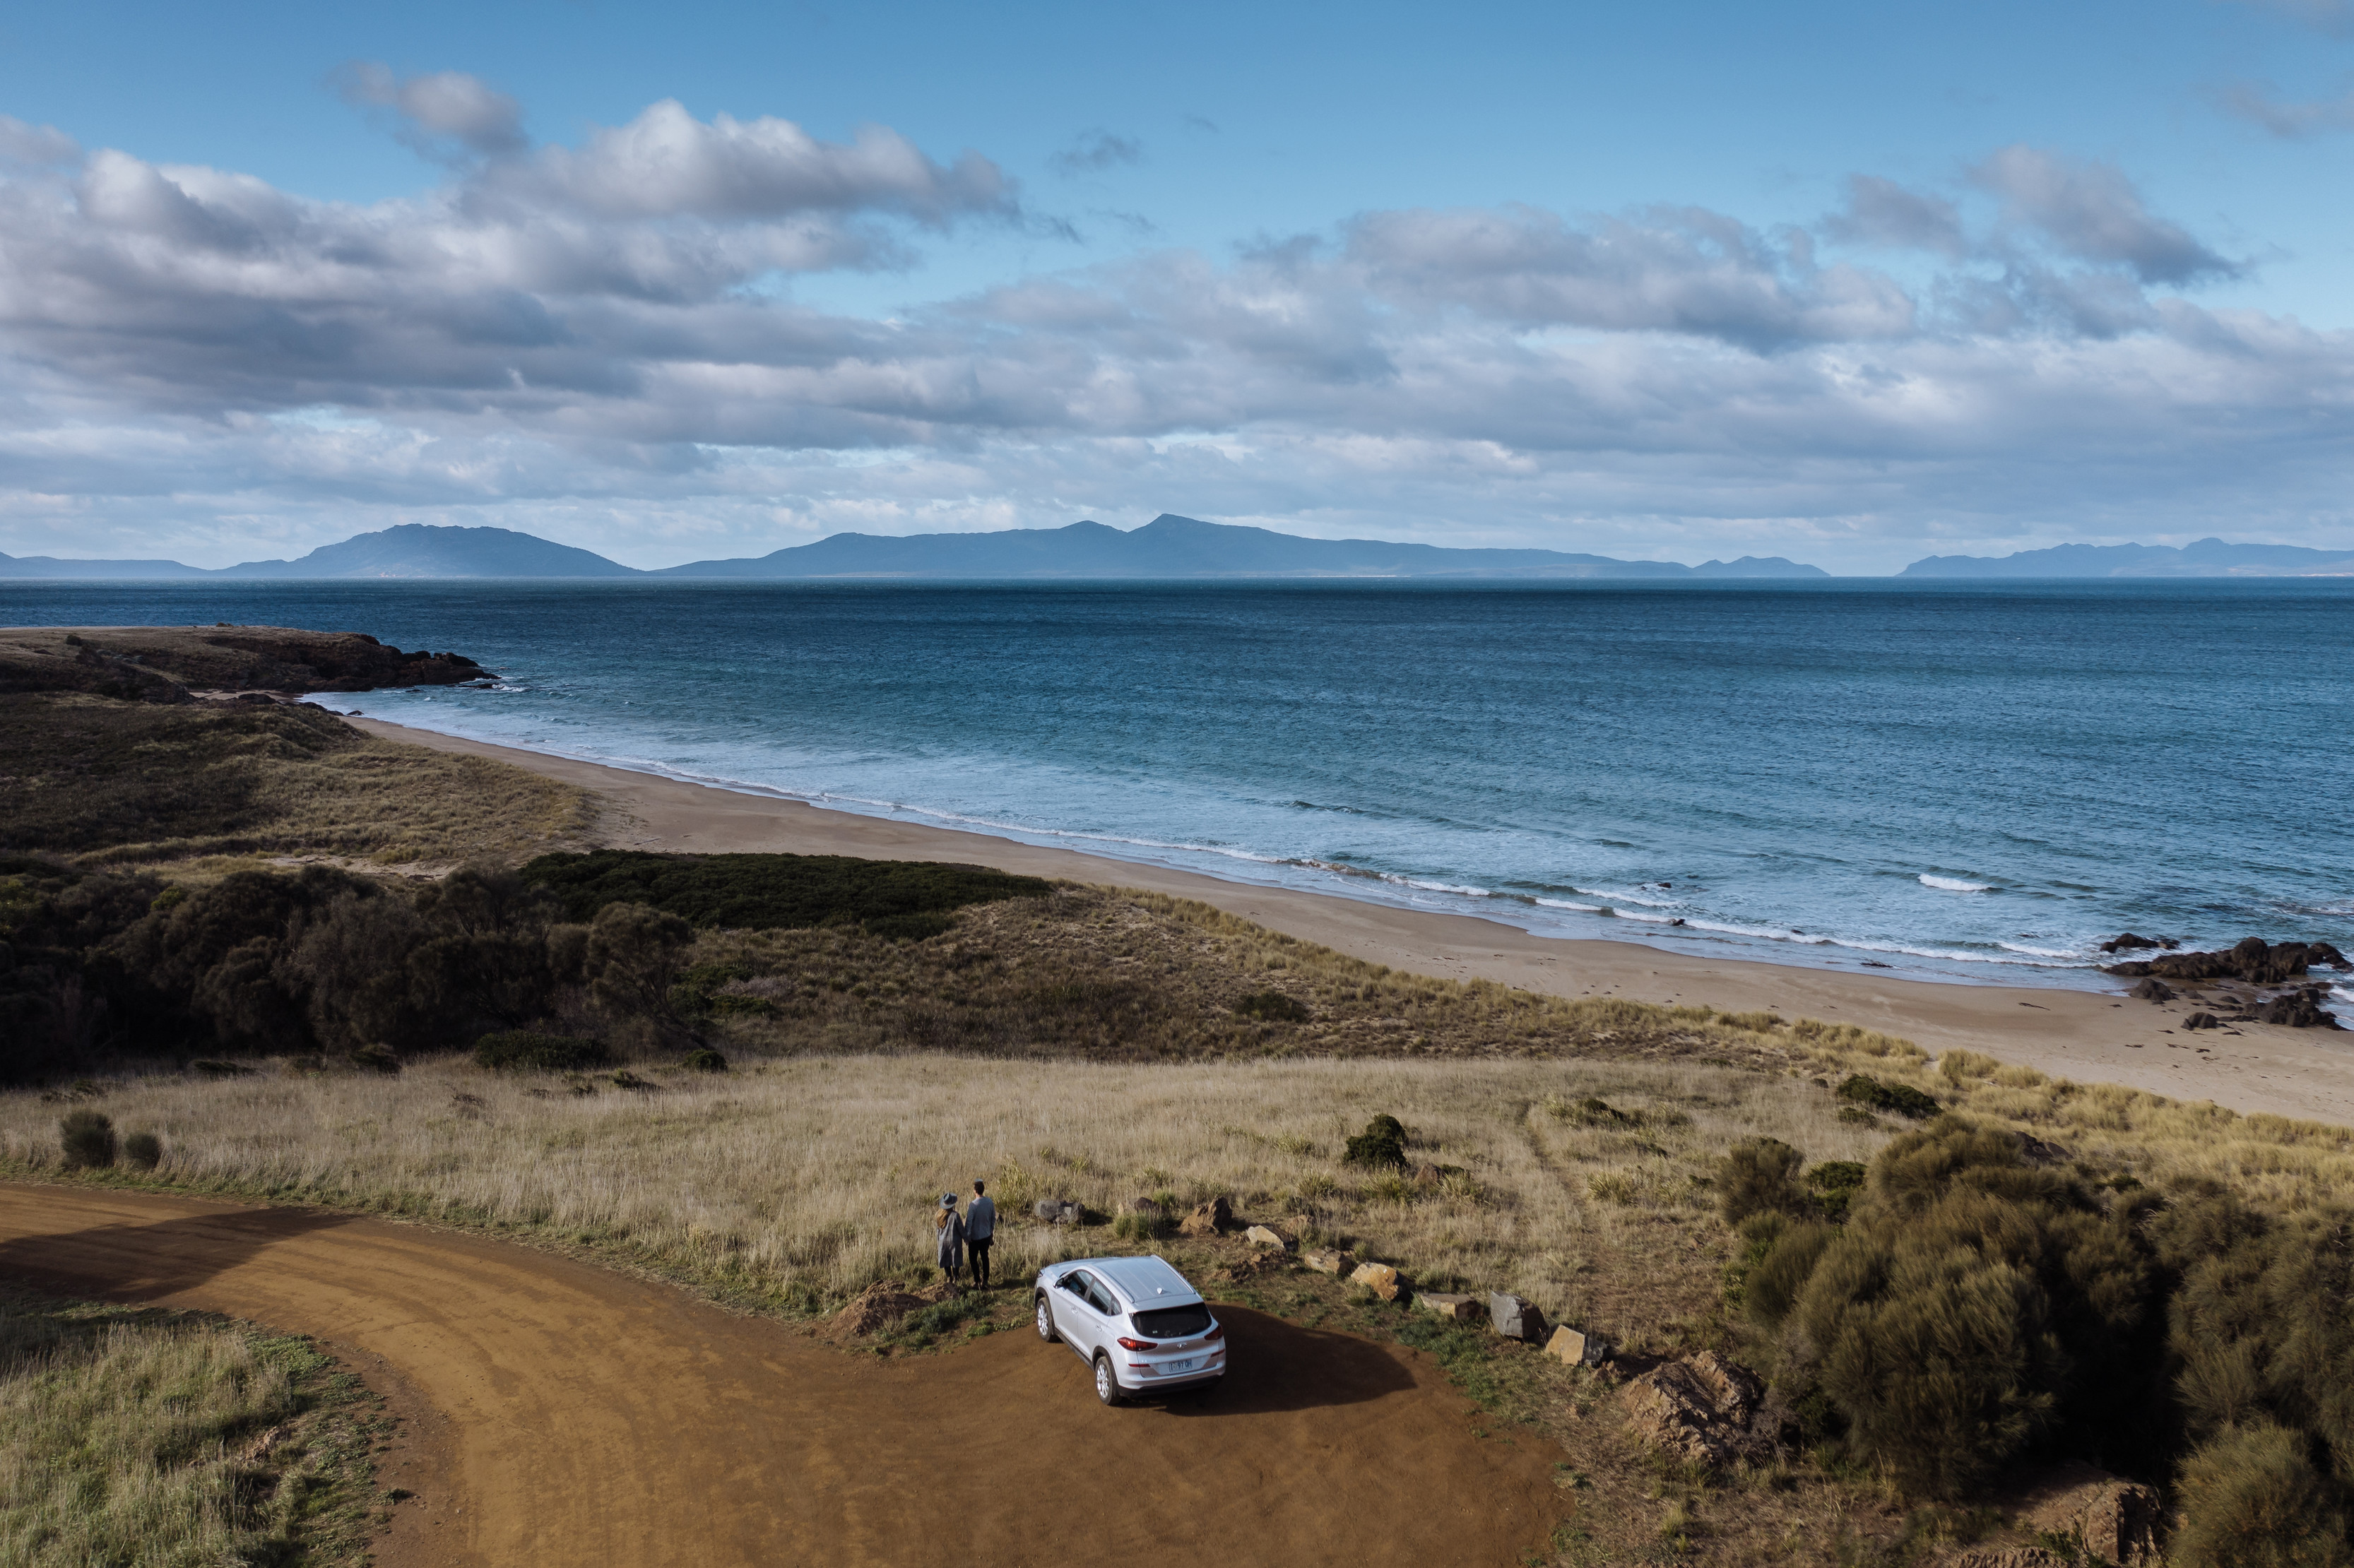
x=1843, y=282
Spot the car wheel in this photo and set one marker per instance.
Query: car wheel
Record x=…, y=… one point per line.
x=1046, y=1319
x=1106, y=1385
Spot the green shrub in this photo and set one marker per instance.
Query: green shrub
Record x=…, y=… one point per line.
x=1759, y=1175
x=636, y=955
x=1382, y=1144
x=703, y=1059
x=526, y=1050
x=1975, y=1305
x=1836, y=1185
x=2260, y=1328
x=1274, y=1007
x=2251, y=1497
x=1901, y=1099
x=142, y=1151
x=902, y=899
x=375, y=1059
x=1778, y=1275
x=86, y=1139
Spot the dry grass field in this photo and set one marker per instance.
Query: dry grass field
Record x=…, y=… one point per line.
x=131, y=1435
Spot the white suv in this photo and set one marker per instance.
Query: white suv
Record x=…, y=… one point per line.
x=1133, y=1319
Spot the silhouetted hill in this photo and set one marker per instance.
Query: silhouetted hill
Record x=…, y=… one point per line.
x=424, y=550
x=1168, y=547
x=1173, y=547
x=2207, y=559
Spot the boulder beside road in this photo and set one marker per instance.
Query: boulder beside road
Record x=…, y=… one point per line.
x=1516, y=1318
x=1268, y=1235
x=1454, y=1309
x=1573, y=1348
x=1324, y=1260
x=1380, y=1279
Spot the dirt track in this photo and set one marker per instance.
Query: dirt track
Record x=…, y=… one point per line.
x=579, y=1416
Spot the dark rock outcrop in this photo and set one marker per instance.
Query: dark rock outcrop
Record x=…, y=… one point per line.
x=165, y=663
x=2255, y=960
x=2152, y=989
x=2297, y=1010
x=2130, y=943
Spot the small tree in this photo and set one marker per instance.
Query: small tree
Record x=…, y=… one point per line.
x=635, y=955
x=1382, y=1144
x=142, y=1151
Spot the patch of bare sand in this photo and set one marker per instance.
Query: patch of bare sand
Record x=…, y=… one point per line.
x=594, y=1418
x=2090, y=1036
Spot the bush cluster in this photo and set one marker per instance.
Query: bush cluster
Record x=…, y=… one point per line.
x=1273, y=1007
x=1381, y=1145
x=311, y=962
x=1965, y=1304
x=527, y=1049
x=1902, y=1100
x=906, y=899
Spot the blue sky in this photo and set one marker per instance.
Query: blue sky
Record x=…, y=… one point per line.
x=1849, y=283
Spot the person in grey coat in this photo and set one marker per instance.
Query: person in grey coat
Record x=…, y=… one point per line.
x=950, y=1226
x=979, y=1230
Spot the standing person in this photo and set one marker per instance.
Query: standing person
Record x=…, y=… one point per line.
x=979, y=1228
x=951, y=1243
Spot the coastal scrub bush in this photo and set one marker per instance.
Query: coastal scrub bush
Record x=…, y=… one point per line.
x=703, y=1059
x=1381, y=1145
x=1836, y=1185
x=1901, y=1098
x=524, y=1050
x=86, y=1140
x=2260, y=1330
x=636, y=953
x=142, y=1151
x=777, y=892
x=1975, y=1307
x=2252, y=1499
x=1759, y=1175
x=1272, y=1007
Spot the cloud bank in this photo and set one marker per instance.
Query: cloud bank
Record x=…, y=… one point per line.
x=601, y=342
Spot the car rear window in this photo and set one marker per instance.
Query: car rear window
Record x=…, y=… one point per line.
x=1173, y=1322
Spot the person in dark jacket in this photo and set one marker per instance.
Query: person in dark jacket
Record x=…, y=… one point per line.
x=951, y=1239
x=979, y=1230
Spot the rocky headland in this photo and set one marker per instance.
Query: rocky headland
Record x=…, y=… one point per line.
x=180, y=665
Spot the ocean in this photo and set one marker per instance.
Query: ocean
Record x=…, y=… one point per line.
x=1974, y=782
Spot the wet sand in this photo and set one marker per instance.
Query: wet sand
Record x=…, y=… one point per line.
x=2090, y=1037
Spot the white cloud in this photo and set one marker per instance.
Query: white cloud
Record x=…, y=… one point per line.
x=2287, y=118
x=591, y=341
x=2089, y=210
x=37, y=146
x=439, y=109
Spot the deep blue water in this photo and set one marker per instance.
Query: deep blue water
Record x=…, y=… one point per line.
x=1975, y=780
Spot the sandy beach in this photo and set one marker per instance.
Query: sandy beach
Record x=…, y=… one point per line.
x=2091, y=1037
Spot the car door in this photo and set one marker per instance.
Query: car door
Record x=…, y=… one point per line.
x=1076, y=1317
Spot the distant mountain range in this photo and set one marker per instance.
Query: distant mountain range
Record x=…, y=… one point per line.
x=1167, y=548
x=2207, y=559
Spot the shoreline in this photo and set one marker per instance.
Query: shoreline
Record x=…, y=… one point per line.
x=2087, y=1035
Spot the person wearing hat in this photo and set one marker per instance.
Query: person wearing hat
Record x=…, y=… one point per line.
x=950, y=1225
x=979, y=1230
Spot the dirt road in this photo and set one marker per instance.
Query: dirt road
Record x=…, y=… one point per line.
x=578, y=1416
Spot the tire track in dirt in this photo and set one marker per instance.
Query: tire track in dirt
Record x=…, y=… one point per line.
x=582, y=1416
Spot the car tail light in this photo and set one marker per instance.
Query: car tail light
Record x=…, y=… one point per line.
x=1217, y=1331
x=1128, y=1344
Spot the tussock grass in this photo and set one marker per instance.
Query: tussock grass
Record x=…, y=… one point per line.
x=130, y=783
x=795, y=1183
x=149, y=1437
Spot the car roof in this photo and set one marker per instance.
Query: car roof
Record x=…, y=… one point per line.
x=1148, y=1282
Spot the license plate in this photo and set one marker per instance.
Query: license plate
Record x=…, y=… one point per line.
x=1171, y=1368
